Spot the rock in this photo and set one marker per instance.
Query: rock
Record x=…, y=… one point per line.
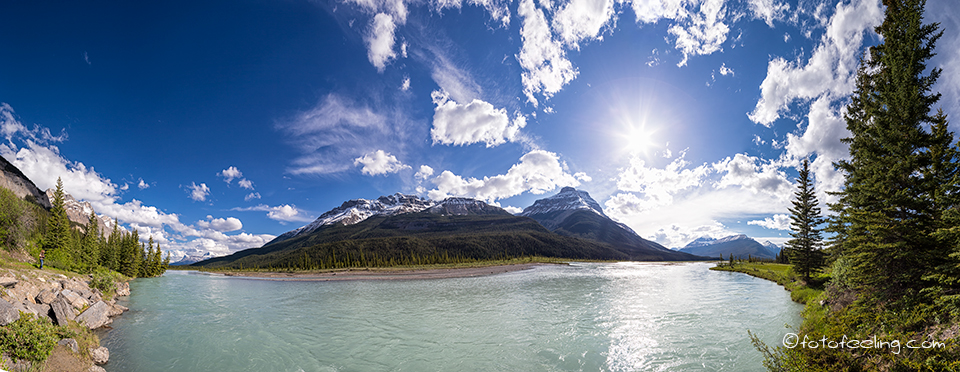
x=71, y=343
x=23, y=291
x=62, y=310
x=18, y=365
x=96, y=369
x=8, y=313
x=8, y=281
x=91, y=296
x=123, y=289
x=96, y=316
x=46, y=296
x=116, y=310
x=41, y=310
x=75, y=285
x=100, y=355
x=74, y=299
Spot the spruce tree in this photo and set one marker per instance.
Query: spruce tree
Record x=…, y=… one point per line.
x=804, y=248
x=887, y=212
x=57, y=239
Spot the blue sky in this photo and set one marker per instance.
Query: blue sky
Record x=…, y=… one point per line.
x=214, y=126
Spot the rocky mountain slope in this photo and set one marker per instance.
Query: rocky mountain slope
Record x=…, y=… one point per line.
x=13, y=179
x=737, y=245
x=574, y=213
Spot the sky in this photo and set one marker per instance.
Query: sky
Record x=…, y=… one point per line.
x=214, y=126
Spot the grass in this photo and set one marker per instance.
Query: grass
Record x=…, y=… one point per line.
x=782, y=274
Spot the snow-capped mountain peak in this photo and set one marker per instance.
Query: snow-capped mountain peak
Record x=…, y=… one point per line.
x=569, y=198
x=706, y=240
x=357, y=210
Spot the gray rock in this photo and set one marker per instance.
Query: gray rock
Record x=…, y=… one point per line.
x=8, y=281
x=96, y=316
x=100, y=355
x=62, y=311
x=116, y=310
x=74, y=299
x=96, y=369
x=40, y=310
x=46, y=296
x=8, y=313
x=74, y=285
x=123, y=289
x=71, y=343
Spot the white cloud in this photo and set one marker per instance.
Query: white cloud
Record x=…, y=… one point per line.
x=583, y=19
x=380, y=41
x=229, y=174
x=424, y=172
x=581, y=176
x=199, y=192
x=477, y=121
x=546, y=68
x=283, y=213
x=537, y=172
x=724, y=70
x=10, y=128
x=650, y=11
x=658, y=185
x=948, y=53
x=678, y=236
x=251, y=196
x=142, y=185
x=742, y=170
x=777, y=222
x=245, y=183
x=768, y=10
x=513, y=210
x=831, y=70
x=221, y=224
x=379, y=162
x=405, y=86
x=701, y=33
x=337, y=131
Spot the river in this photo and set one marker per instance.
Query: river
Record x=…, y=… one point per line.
x=581, y=317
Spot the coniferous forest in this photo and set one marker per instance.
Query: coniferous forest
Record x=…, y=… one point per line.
x=894, y=255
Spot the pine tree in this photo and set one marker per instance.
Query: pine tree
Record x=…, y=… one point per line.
x=804, y=248
x=57, y=239
x=887, y=212
x=88, y=249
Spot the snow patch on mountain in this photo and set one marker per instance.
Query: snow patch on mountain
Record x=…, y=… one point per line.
x=357, y=210
x=706, y=240
x=569, y=198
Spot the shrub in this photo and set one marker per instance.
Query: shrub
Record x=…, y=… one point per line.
x=31, y=339
x=104, y=281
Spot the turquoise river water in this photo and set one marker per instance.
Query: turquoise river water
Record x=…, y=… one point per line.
x=581, y=317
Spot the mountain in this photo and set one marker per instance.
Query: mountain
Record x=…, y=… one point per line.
x=357, y=210
x=14, y=180
x=737, y=245
x=574, y=213
x=79, y=212
x=455, y=227
x=775, y=249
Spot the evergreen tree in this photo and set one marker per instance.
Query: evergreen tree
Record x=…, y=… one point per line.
x=108, y=256
x=57, y=239
x=88, y=249
x=887, y=210
x=804, y=248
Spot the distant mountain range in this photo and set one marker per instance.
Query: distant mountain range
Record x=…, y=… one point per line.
x=736, y=245
x=568, y=225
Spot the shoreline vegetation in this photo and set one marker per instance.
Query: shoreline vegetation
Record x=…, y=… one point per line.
x=782, y=274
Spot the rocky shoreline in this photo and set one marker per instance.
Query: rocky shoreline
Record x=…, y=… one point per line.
x=61, y=299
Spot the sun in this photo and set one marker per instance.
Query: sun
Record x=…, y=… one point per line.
x=637, y=138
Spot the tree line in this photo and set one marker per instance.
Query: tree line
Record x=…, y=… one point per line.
x=73, y=247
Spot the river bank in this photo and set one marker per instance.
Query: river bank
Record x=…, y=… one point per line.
x=33, y=301
x=781, y=274
x=387, y=273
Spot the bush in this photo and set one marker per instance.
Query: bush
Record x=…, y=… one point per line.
x=802, y=295
x=104, y=281
x=31, y=339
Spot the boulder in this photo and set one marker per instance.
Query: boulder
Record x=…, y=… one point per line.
x=23, y=292
x=75, y=299
x=96, y=369
x=92, y=296
x=70, y=343
x=96, y=316
x=8, y=313
x=74, y=285
x=62, y=310
x=46, y=296
x=100, y=355
x=40, y=310
x=116, y=310
x=123, y=289
x=8, y=281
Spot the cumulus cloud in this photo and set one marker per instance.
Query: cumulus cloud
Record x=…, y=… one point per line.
x=142, y=185
x=251, y=196
x=424, y=172
x=10, y=127
x=380, y=41
x=220, y=224
x=245, y=183
x=230, y=174
x=753, y=174
x=831, y=70
x=477, y=121
x=282, y=213
x=658, y=185
x=538, y=171
x=777, y=222
x=199, y=192
x=701, y=33
x=379, y=162
x=546, y=68
x=583, y=19
x=768, y=10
